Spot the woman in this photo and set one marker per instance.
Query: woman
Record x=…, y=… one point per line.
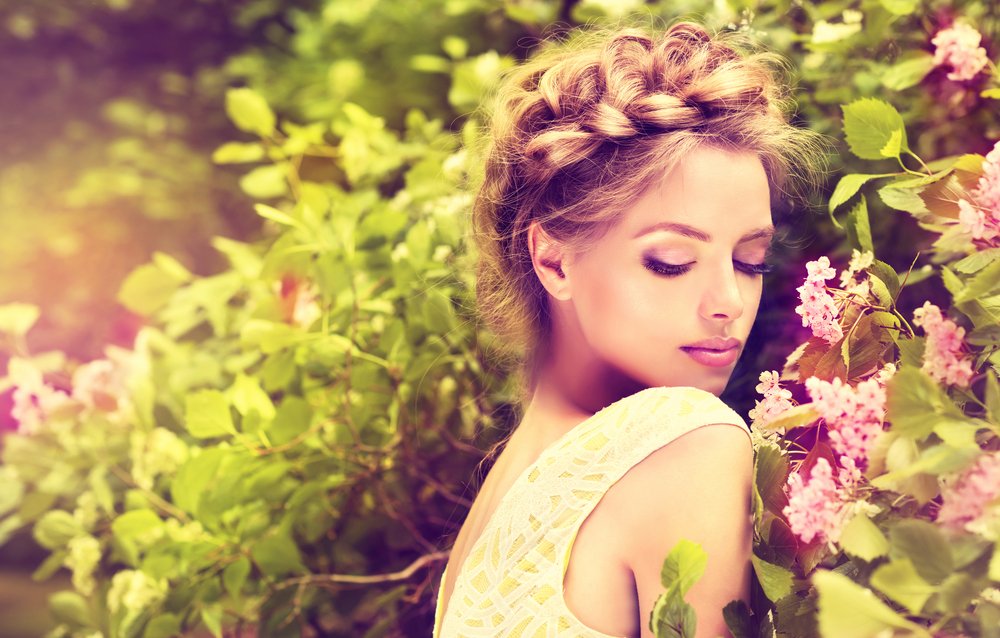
x=624, y=223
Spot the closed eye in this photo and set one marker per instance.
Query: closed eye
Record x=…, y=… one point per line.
x=673, y=270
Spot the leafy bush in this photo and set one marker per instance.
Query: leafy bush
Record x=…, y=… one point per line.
x=281, y=446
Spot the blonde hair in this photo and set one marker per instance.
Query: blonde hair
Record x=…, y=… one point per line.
x=580, y=130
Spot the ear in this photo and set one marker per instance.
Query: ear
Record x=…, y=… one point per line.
x=550, y=261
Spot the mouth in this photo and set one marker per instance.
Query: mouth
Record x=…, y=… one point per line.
x=712, y=357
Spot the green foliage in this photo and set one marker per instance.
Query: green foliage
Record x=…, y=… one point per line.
x=683, y=566
x=287, y=430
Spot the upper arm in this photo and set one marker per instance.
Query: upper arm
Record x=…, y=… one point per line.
x=697, y=487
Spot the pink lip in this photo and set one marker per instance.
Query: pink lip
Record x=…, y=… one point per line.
x=714, y=358
x=715, y=343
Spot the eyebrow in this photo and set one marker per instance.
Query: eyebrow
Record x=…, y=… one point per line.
x=694, y=233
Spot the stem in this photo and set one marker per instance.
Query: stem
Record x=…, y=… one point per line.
x=369, y=579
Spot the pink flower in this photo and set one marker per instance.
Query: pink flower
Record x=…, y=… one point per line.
x=855, y=415
x=299, y=299
x=818, y=309
x=967, y=498
x=981, y=216
x=776, y=398
x=34, y=400
x=958, y=47
x=943, y=359
x=99, y=384
x=816, y=507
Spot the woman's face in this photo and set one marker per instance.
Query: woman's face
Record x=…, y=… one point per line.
x=676, y=269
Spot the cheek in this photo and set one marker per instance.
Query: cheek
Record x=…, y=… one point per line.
x=622, y=307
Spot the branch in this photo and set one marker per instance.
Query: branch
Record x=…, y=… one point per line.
x=372, y=579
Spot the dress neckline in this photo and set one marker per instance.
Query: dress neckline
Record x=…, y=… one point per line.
x=517, y=481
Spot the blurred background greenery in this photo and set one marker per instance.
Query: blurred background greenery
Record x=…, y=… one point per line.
x=111, y=112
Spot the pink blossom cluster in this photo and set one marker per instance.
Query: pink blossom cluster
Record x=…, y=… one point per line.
x=958, y=47
x=943, y=359
x=99, y=384
x=968, y=497
x=817, y=507
x=34, y=401
x=981, y=217
x=776, y=399
x=818, y=309
x=854, y=414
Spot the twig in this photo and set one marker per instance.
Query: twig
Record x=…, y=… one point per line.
x=369, y=579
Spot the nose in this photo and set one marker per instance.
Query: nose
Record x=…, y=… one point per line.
x=723, y=298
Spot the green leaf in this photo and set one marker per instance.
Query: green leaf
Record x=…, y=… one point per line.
x=292, y=418
x=924, y=544
x=952, y=282
x=905, y=199
x=770, y=473
x=250, y=112
x=277, y=555
x=684, y=565
x=858, y=228
x=907, y=73
x=13, y=490
x=163, y=626
x=985, y=283
x=249, y=398
x=848, y=610
x=55, y=528
x=18, y=318
x=893, y=145
x=794, y=417
x=887, y=274
x=672, y=617
x=869, y=126
x=900, y=7
x=899, y=581
x=977, y=260
x=71, y=608
x=776, y=581
x=994, y=568
x=136, y=525
x=848, y=187
x=737, y=616
x=916, y=403
x=207, y=414
x=194, y=477
x=955, y=594
x=266, y=182
x=234, y=576
x=275, y=215
x=992, y=396
x=53, y=563
x=269, y=336
x=238, y=153
x=148, y=288
x=862, y=538
x=211, y=615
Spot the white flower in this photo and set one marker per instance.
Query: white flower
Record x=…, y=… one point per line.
x=86, y=510
x=859, y=261
x=84, y=555
x=134, y=591
x=156, y=452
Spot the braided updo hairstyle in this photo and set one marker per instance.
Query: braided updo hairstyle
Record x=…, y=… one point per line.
x=580, y=130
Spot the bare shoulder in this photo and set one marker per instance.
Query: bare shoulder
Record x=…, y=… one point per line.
x=710, y=461
x=697, y=487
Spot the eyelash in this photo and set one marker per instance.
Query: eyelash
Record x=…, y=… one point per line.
x=670, y=270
